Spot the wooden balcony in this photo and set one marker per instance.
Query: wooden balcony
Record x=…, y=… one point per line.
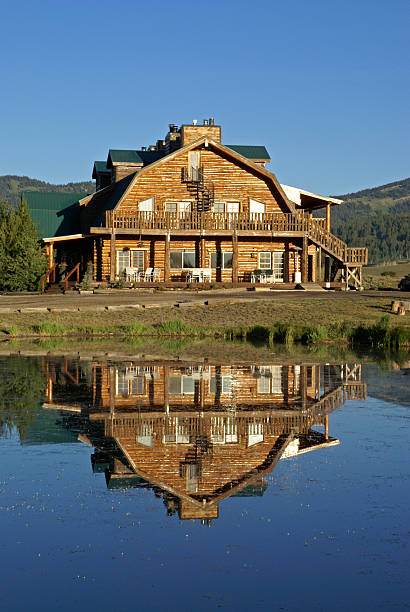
x=251, y=224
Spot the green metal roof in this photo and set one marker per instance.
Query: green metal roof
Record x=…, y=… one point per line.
x=250, y=151
x=100, y=167
x=55, y=214
x=123, y=156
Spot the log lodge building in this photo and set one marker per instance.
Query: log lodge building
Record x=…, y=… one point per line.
x=193, y=209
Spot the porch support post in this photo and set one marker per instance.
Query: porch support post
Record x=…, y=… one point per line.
x=166, y=388
x=319, y=265
x=327, y=427
x=328, y=216
x=50, y=250
x=112, y=256
x=166, y=261
x=304, y=269
x=202, y=252
x=286, y=265
x=234, y=258
x=303, y=385
x=327, y=268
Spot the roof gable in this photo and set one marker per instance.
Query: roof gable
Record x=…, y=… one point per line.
x=100, y=167
x=269, y=177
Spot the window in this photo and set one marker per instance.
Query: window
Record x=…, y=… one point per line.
x=219, y=207
x=226, y=384
x=265, y=260
x=138, y=260
x=181, y=385
x=277, y=265
x=146, y=205
x=232, y=207
x=256, y=207
x=137, y=386
x=264, y=384
x=221, y=260
x=182, y=207
x=123, y=261
x=182, y=259
x=171, y=207
x=270, y=379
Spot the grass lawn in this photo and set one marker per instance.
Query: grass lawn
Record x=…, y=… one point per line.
x=359, y=309
x=384, y=276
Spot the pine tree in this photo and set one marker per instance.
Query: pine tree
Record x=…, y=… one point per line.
x=22, y=261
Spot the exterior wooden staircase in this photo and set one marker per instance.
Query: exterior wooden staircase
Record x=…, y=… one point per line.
x=202, y=190
x=347, y=260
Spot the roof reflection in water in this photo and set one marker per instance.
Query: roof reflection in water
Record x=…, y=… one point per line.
x=194, y=433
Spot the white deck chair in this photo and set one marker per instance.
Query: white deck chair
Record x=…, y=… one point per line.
x=156, y=274
x=148, y=275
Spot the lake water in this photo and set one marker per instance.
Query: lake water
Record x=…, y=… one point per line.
x=175, y=484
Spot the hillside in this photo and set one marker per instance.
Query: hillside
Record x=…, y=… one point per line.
x=12, y=186
x=378, y=218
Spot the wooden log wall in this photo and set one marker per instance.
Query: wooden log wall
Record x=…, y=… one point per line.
x=247, y=260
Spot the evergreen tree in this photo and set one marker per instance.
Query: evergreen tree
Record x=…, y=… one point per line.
x=22, y=261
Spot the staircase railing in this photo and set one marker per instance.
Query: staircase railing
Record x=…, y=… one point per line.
x=76, y=271
x=49, y=276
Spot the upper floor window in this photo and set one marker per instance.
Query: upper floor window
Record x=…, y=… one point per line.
x=181, y=207
x=232, y=207
x=219, y=207
x=146, y=205
x=256, y=207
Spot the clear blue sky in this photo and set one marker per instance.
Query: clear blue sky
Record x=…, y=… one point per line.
x=323, y=85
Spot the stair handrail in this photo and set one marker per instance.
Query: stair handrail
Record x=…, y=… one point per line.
x=46, y=277
x=75, y=269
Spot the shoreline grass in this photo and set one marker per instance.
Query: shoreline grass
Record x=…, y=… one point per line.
x=380, y=334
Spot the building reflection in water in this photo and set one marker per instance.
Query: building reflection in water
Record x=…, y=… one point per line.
x=194, y=433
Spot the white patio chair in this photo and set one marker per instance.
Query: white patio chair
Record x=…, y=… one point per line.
x=206, y=275
x=156, y=274
x=132, y=274
x=148, y=275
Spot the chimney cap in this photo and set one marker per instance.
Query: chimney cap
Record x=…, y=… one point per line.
x=194, y=121
x=143, y=148
x=205, y=121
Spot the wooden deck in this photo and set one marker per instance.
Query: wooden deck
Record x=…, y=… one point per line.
x=271, y=225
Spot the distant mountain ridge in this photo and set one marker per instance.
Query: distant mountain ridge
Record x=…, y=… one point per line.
x=11, y=187
x=393, y=198
x=377, y=218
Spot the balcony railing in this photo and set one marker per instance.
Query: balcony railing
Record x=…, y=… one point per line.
x=302, y=225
